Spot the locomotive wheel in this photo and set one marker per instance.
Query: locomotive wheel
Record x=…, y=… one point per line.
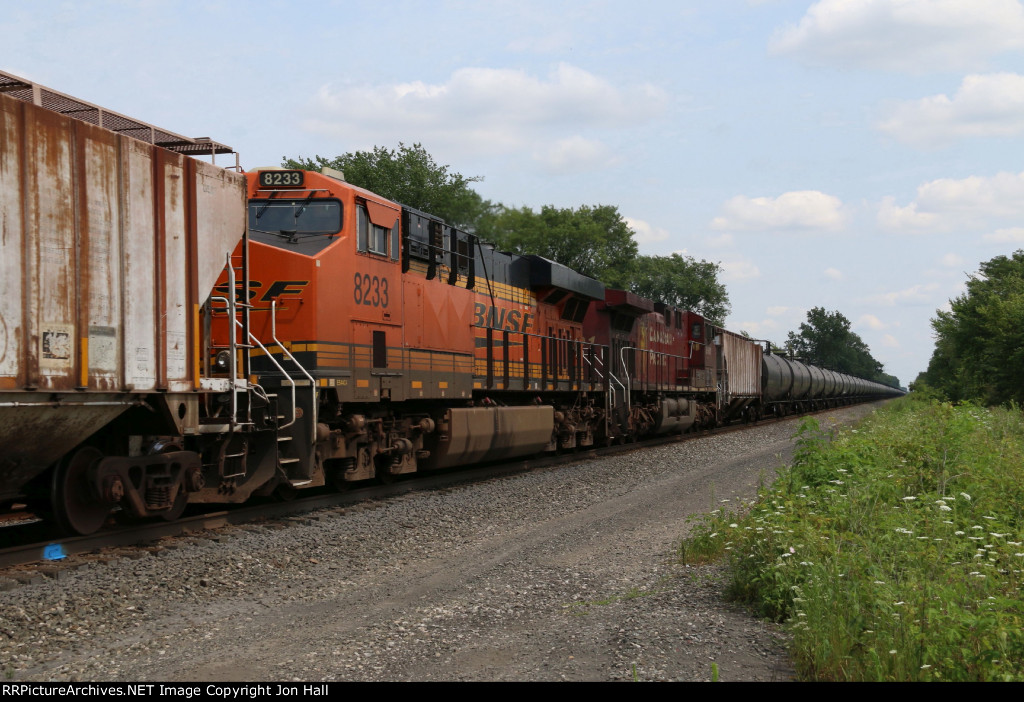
x=75, y=509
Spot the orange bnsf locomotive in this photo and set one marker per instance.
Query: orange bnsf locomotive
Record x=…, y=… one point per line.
x=173, y=332
x=410, y=344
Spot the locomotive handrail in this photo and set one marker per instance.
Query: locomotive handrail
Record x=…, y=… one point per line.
x=233, y=314
x=312, y=383
x=607, y=374
x=273, y=360
x=622, y=354
x=547, y=337
x=232, y=364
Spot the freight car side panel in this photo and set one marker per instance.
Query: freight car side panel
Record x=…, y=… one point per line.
x=50, y=237
x=101, y=246
x=11, y=244
x=139, y=273
x=173, y=259
x=741, y=365
x=99, y=243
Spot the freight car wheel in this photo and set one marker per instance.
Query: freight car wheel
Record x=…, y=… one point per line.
x=178, y=508
x=285, y=491
x=75, y=509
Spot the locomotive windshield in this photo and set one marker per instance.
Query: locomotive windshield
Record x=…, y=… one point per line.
x=304, y=225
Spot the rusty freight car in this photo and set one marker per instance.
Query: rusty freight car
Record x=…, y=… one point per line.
x=110, y=246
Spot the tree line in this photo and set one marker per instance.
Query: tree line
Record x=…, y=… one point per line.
x=593, y=240
x=827, y=340
x=979, y=340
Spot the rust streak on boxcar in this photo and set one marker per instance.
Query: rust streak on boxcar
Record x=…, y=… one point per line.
x=160, y=266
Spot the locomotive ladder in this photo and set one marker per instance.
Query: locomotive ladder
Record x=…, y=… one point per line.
x=290, y=380
x=238, y=314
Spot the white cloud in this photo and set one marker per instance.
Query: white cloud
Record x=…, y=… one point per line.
x=952, y=260
x=871, y=321
x=984, y=106
x=910, y=35
x=892, y=216
x=916, y=294
x=801, y=209
x=833, y=273
x=723, y=241
x=889, y=341
x=574, y=155
x=948, y=203
x=777, y=311
x=1013, y=235
x=490, y=111
x=734, y=271
x=645, y=232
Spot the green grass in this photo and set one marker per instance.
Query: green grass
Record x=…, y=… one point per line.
x=893, y=551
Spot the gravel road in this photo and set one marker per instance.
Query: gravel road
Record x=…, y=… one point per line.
x=561, y=574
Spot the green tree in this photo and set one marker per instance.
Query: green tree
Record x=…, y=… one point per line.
x=826, y=340
x=410, y=176
x=979, y=342
x=594, y=241
x=681, y=281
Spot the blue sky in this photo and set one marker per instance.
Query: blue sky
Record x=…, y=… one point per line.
x=859, y=155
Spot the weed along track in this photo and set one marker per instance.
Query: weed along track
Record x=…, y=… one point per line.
x=565, y=573
x=894, y=552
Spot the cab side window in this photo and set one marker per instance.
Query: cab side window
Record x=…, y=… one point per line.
x=369, y=237
x=362, y=228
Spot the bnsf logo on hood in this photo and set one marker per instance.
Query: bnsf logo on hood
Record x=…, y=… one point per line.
x=507, y=320
x=279, y=288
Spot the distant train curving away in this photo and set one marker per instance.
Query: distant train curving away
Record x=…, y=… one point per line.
x=175, y=332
